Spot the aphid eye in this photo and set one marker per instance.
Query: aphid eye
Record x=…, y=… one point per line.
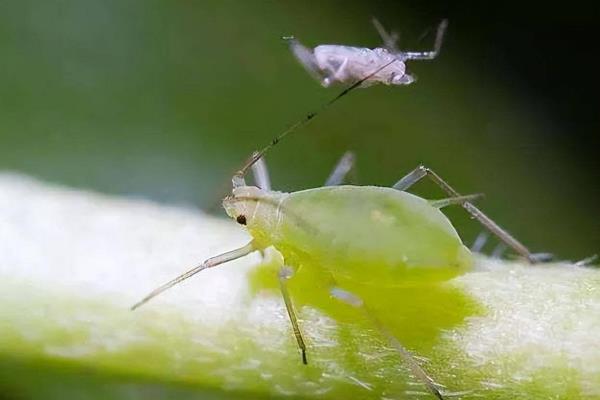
x=241, y=219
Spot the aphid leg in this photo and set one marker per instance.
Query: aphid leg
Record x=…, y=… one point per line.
x=336, y=76
x=450, y=201
x=407, y=357
x=261, y=174
x=340, y=71
x=411, y=178
x=542, y=257
x=210, y=263
x=306, y=57
x=587, y=261
x=429, y=55
x=389, y=39
x=341, y=169
x=498, y=250
x=479, y=242
x=284, y=274
x=421, y=172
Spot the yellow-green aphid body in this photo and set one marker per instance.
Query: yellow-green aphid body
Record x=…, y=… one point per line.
x=394, y=250
x=369, y=235
x=384, y=251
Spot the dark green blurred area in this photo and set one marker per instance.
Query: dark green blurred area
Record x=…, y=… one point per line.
x=64, y=380
x=165, y=99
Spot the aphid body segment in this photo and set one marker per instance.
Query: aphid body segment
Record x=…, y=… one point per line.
x=346, y=64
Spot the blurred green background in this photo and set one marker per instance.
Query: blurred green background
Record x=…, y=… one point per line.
x=164, y=100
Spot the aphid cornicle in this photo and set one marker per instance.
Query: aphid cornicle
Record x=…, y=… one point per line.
x=331, y=63
x=374, y=236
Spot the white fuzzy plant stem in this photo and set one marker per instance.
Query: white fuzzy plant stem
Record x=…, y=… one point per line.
x=73, y=262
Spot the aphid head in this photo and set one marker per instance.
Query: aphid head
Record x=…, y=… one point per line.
x=242, y=204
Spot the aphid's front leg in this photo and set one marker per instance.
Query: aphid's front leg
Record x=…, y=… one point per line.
x=341, y=169
x=409, y=360
x=286, y=273
x=210, y=263
x=420, y=172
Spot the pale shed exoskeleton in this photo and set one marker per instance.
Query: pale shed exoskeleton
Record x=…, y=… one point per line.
x=331, y=63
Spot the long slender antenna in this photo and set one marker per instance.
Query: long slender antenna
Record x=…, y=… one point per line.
x=258, y=154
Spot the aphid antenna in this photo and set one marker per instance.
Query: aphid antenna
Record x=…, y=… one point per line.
x=238, y=177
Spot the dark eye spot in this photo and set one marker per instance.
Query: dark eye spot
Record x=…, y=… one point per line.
x=241, y=219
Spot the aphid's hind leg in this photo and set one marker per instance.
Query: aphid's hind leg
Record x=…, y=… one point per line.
x=407, y=357
x=341, y=169
x=261, y=174
x=285, y=273
x=420, y=172
x=429, y=55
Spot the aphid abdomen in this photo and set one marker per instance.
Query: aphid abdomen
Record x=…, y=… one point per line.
x=372, y=234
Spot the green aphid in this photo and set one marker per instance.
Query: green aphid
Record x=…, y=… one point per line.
x=377, y=237
x=358, y=240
